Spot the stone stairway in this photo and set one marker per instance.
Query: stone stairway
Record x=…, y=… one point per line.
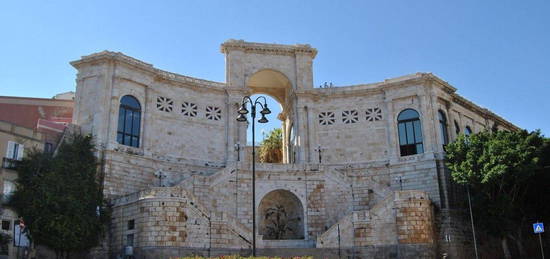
x=362, y=227
x=206, y=189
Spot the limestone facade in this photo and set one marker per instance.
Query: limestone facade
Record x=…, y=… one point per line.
x=343, y=165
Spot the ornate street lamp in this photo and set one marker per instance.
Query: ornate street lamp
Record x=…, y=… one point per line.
x=242, y=118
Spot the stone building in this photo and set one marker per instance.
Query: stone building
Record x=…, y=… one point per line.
x=180, y=181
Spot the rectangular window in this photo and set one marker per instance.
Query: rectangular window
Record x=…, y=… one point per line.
x=48, y=147
x=5, y=225
x=14, y=151
x=9, y=188
x=410, y=138
x=131, y=224
x=130, y=240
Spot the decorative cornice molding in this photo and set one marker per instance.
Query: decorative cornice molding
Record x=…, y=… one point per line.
x=266, y=48
x=484, y=112
x=158, y=73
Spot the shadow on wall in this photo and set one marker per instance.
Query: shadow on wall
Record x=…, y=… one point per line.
x=282, y=216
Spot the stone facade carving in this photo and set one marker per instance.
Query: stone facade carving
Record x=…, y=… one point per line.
x=342, y=162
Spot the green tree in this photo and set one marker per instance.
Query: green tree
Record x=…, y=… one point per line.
x=5, y=239
x=271, y=148
x=60, y=197
x=499, y=168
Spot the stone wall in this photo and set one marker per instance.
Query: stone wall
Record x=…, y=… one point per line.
x=349, y=129
x=405, y=217
x=415, y=220
x=127, y=172
x=171, y=217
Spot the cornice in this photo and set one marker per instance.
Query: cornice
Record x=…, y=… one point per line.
x=486, y=113
x=374, y=88
x=157, y=73
x=439, y=82
x=265, y=48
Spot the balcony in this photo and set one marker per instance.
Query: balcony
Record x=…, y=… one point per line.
x=9, y=163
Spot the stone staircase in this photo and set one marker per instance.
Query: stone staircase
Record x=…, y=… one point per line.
x=206, y=189
x=362, y=227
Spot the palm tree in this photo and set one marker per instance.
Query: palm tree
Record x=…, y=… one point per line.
x=271, y=150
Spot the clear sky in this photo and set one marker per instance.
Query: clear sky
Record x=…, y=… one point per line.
x=497, y=53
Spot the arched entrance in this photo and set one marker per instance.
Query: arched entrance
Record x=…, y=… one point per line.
x=276, y=85
x=281, y=216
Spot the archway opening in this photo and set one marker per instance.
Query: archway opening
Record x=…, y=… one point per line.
x=272, y=138
x=281, y=216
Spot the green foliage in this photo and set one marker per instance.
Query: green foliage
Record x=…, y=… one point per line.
x=501, y=169
x=4, y=239
x=58, y=197
x=271, y=149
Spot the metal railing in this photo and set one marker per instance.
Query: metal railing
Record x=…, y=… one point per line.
x=9, y=163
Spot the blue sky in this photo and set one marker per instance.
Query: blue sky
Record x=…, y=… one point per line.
x=495, y=52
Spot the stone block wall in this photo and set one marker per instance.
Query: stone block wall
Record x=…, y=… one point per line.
x=418, y=172
x=404, y=217
x=350, y=129
x=415, y=218
x=454, y=233
x=171, y=217
x=337, y=198
x=127, y=172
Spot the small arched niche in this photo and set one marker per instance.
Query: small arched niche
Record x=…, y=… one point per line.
x=281, y=216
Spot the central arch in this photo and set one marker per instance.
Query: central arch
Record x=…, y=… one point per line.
x=276, y=85
x=281, y=216
x=271, y=82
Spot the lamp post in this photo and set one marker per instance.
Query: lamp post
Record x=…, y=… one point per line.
x=472, y=220
x=242, y=118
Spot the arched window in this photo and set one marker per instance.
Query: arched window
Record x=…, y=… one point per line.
x=410, y=133
x=467, y=131
x=129, y=117
x=443, y=127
